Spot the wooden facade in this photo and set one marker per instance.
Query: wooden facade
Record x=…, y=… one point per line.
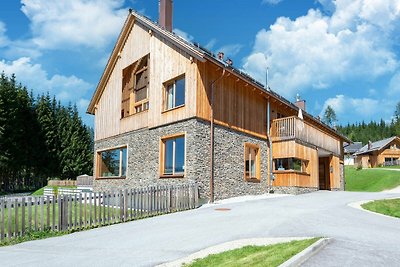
x=238, y=104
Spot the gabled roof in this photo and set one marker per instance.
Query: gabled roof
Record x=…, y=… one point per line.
x=378, y=145
x=352, y=148
x=193, y=49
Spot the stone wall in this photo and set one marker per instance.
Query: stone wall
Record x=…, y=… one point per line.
x=294, y=190
x=144, y=153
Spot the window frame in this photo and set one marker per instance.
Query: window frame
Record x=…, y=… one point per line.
x=257, y=178
x=304, y=165
x=163, y=140
x=165, y=92
x=98, y=162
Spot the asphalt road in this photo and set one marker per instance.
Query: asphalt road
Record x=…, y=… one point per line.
x=359, y=238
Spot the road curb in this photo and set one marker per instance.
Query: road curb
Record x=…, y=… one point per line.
x=306, y=254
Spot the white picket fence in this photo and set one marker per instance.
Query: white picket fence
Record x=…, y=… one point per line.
x=87, y=210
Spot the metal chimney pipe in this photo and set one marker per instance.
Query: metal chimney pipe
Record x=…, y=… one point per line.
x=165, y=14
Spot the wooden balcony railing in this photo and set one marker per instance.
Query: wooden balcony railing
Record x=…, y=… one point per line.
x=294, y=128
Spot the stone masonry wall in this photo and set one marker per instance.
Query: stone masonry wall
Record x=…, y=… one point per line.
x=144, y=152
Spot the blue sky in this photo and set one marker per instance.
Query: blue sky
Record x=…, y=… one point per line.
x=344, y=53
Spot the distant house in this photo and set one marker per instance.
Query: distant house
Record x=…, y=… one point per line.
x=349, y=150
x=379, y=153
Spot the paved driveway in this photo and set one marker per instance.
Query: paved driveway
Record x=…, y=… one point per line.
x=360, y=238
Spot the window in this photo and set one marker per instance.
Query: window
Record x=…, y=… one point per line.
x=251, y=162
x=292, y=164
x=173, y=156
x=174, y=93
x=112, y=163
x=135, y=85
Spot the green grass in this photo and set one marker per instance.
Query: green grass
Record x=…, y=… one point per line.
x=272, y=255
x=79, y=206
x=371, y=180
x=40, y=191
x=33, y=236
x=390, y=207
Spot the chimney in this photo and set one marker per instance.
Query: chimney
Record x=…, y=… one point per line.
x=165, y=10
x=369, y=145
x=221, y=55
x=229, y=62
x=300, y=103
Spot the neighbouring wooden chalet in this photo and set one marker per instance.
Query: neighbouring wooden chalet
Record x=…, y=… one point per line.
x=384, y=152
x=168, y=111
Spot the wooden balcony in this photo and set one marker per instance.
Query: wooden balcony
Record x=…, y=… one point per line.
x=294, y=128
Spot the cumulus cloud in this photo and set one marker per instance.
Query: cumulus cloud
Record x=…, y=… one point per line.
x=316, y=50
x=68, y=24
x=362, y=108
x=66, y=88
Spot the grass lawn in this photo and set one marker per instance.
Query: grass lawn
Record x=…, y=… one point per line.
x=114, y=212
x=371, y=180
x=390, y=207
x=272, y=255
x=32, y=236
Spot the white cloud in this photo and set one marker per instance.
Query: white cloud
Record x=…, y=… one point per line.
x=363, y=108
x=66, y=88
x=183, y=34
x=271, y=2
x=394, y=85
x=315, y=51
x=3, y=37
x=65, y=24
x=230, y=50
x=210, y=45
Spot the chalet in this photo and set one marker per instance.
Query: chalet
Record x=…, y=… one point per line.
x=380, y=153
x=349, y=150
x=168, y=111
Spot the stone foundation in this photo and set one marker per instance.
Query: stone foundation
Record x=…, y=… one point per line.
x=294, y=190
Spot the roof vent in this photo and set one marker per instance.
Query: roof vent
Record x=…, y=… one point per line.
x=165, y=10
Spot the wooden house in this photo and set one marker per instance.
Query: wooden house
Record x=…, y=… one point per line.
x=384, y=152
x=168, y=111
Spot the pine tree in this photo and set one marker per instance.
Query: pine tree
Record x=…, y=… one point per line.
x=329, y=117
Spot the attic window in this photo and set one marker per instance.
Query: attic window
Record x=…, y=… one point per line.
x=135, y=87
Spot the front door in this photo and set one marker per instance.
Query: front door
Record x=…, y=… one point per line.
x=322, y=176
x=323, y=167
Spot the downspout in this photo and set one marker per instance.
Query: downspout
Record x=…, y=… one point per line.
x=212, y=137
x=270, y=159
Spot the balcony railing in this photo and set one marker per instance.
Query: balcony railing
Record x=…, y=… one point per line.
x=294, y=128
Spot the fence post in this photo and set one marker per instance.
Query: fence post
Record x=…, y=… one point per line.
x=126, y=205
x=41, y=213
x=60, y=217
x=2, y=222
x=9, y=208
x=30, y=202
x=35, y=209
x=23, y=216
x=90, y=210
x=48, y=211
x=121, y=208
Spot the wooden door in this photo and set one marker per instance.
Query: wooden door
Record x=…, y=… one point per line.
x=322, y=174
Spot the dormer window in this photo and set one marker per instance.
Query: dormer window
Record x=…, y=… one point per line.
x=135, y=87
